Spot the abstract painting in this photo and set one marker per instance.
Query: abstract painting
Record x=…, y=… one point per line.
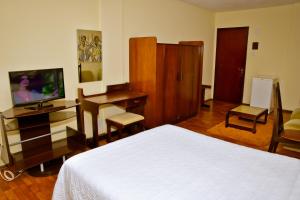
x=89, y=55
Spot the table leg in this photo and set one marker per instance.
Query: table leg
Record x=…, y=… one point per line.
x=95, y=129
x=202, y=103
x=108, y=131
x=266, y=116
x=254, y=125
x=227, y=119
x=42, y=167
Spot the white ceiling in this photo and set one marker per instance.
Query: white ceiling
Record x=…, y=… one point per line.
x=227, y=5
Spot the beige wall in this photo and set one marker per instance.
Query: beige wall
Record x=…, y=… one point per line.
x=122, y=19
x=42, y=34
x=277, y=29
x=112, y=27
x=39, y=34
x=170, y=21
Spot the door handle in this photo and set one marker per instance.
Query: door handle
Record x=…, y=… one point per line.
x=181, y=75
x=242, y=71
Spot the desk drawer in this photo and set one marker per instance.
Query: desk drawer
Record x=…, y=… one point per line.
x=136, y=102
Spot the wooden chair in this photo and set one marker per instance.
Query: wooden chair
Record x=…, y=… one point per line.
x=280, y=134
x=121, y=121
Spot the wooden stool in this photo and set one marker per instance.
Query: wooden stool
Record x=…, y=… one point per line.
x=120, y=121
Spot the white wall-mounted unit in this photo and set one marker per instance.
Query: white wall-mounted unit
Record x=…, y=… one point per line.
x=262, y=92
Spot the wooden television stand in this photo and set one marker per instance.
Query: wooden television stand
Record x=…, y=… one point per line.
x=35, y=134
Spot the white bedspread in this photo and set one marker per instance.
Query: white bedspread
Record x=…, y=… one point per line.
x=172, y=163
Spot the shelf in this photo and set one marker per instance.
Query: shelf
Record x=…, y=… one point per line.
x=26, y=160
x=34, y=126
x=17, y=112
x=61, y=116
x=53, y=117
x=12, y=125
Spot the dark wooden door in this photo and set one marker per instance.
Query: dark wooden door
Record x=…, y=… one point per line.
x=231, y=52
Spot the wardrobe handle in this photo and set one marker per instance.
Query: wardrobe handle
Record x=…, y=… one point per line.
x=181, y=75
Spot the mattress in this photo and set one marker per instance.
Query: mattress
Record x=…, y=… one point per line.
x=169, y=162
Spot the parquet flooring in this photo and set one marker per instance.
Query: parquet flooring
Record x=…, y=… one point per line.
x=27, y=187
x=40, y=188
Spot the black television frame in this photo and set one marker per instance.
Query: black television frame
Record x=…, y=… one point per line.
x=38, y=103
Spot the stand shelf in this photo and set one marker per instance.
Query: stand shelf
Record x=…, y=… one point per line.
x=35, y=134
x=53, y=117
x=28, y=159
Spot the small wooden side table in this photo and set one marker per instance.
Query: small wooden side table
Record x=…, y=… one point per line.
x=202, y=100
x=247, y=113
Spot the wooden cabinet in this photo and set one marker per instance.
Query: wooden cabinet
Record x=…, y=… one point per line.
x=170, y=74
x=35, y=134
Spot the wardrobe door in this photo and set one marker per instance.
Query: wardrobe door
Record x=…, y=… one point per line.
x=143, y=76
x=170, y=79
x=197, y=79
x=189, y=81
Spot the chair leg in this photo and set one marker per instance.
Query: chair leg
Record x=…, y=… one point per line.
x=142, y=125
x=275, y=147
x=136, y=128
x=120, y=133
x=271, y=147
x=108, y=139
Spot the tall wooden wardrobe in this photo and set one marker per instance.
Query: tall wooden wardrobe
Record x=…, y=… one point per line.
x=170, y=74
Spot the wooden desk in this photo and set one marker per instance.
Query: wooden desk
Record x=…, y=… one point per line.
x=132, y=101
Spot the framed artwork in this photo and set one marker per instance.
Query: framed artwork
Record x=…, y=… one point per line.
x=89, y=55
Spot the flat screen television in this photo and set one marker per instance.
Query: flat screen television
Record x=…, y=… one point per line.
x=36, y=86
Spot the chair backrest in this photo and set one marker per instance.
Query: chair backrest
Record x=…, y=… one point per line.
x=278, y=117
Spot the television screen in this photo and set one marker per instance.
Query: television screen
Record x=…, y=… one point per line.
x=36, y=86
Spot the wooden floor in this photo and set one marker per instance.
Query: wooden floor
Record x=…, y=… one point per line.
x=215, y=114
x=32, y=188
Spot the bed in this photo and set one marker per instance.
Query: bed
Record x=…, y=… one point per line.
x=169, y=162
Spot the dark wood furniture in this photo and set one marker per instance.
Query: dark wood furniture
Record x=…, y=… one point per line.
x=202, y=100
x=289, y=137
x=35, y=134
x=170, y=74
x=248, y=113
x=120, y=94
